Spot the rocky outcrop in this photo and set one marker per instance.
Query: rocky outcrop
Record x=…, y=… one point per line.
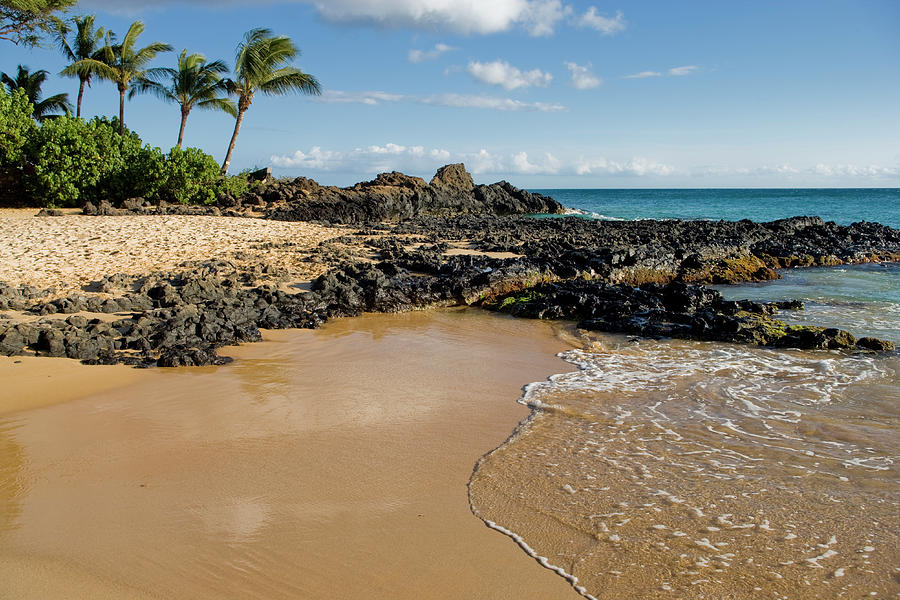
x=639, y=278
x=389, y=197
x=395, y=197
x=638, y=252
x=673, y=310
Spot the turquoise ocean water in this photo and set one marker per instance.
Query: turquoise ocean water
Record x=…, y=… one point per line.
x=844, y=206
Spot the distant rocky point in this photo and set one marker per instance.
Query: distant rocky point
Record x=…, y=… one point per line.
x=389, y=197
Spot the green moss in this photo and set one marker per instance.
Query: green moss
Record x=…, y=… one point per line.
x=513, y=299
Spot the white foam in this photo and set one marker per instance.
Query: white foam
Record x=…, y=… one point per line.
x=814, y=561
x=541, y=559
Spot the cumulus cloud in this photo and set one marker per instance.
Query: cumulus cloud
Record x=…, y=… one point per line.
x=637, y=166
x=418, y=159
x=502, y=73
x=370, y=159
x=605, y=25
x=643, y=75
x=582, y=77
x=416, y=56
x=450, y=100
x=538, y=17
x=682, y=71
x=541, y=16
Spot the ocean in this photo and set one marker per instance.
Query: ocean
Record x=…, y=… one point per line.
x=679, y=469
x=843, y=206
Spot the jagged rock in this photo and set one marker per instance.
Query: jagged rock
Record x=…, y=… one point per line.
x=871, y=343
x=395, y=196
x=453, y=179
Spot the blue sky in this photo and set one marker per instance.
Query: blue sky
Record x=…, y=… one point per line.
x=544, y=93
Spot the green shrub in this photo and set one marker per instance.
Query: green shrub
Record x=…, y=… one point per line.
x=191, y=177
x=16, y=126
x=76, y=161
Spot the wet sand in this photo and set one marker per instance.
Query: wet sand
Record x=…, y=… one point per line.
x=321, y=464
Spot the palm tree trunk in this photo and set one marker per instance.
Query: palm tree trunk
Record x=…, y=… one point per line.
x=80, y=96
x=184, y=116
x=121, y=111
x=237, y=129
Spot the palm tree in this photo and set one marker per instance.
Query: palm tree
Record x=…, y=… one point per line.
x=261, y=65
x=122, y=64
x=31, y=83
x=86, y=44
x=194, y=83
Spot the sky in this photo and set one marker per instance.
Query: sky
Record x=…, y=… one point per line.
x=542, y=93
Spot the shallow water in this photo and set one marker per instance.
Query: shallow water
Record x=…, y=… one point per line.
x=320, y=464
x=674, y=469
x=863, y=299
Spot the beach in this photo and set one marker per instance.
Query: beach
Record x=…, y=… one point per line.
x=68, y=252
x=396, y=455
x=322, y=464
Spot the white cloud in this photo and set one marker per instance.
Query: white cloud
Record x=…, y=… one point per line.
x=643, y=75
x=418, y=159
x=316, y=159
x=416, y=56
x=484, y=162
x=520, y=164
x=685, y=70
x=450, y=100
x=817, y=172
x=501, y=73
x=855, y=170
x=422, y=160
x=582, y=78
x=538, y=17
x=371, y=98
x=605, y=25
x=636, y=166
x=489, y=102
x=371, y=159
x=541, y=16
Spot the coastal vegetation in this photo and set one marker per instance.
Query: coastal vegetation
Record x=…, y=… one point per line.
x=31, y=84
x=85, y=43
x=194, y=83
x=261, y=65
x=123, y=64
x=57, y=160
x=24, y=21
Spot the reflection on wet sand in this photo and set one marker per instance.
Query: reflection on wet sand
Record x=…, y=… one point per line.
x=320, y=464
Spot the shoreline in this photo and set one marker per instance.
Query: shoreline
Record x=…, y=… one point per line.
x=379, y=483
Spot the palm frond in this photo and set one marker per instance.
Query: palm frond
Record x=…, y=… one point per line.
x=290, y=79
x=130, y=39
x=226, y=105
x=60, y=36
x=148, y=53
x=57, y=102
x=94, y=66
x=143, y=85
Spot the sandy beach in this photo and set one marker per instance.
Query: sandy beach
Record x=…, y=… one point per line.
x=320, y=464
x=71, y=251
